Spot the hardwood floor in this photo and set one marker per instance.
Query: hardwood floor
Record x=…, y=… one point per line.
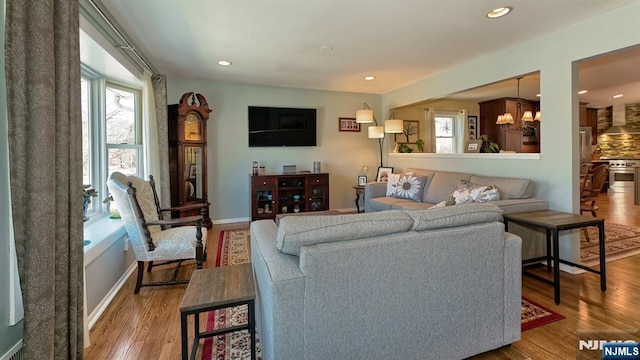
x=147, y=325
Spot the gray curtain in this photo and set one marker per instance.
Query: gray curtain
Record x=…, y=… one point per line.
x=45, y=153
x=160, y=94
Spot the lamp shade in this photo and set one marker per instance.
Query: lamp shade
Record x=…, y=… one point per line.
x=500, y=120
x=527, y=116
x=393, y=126
x=508, y=118
x=364, y=116
x=538, y=116
x=376, y=132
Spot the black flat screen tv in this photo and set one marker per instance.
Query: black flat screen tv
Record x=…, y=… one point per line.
x=274, y=126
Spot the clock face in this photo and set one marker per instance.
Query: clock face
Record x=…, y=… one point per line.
x=192, y=127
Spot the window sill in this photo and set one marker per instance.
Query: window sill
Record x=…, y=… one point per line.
x=102, y=232
x=501, y=156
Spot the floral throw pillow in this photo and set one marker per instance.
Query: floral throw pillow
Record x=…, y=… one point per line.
x=392, y=183
x=467, y=192
x=490, y=194
x=410, y=187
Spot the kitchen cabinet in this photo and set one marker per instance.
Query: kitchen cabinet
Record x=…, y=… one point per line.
x=509, y=137
x=589, y=117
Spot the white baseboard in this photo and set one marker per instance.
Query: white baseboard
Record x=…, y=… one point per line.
x=102, y=306
x=229, y=221
x=15, y=353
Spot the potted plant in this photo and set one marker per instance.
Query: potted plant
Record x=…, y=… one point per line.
x=87, y=193
x=488, y=146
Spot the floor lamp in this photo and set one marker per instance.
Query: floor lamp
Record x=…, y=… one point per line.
x=391, y=126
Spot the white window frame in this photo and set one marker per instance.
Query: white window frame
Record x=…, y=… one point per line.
x=138, y=129
x=458, y=126
x=98, y=136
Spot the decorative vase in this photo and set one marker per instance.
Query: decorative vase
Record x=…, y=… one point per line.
x=115, y=214
x=85, y=207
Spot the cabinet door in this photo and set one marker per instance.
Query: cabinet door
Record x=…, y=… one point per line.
x=194, y=173
x=291, y=194
x=318, y=192
x=264, y=194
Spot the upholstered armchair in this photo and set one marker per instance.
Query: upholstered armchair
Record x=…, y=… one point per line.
x=153, y=238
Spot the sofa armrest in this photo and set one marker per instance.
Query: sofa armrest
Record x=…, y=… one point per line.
x=512, y=287
x=374, y=190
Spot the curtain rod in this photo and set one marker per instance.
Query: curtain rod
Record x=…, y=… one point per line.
x=127, y=45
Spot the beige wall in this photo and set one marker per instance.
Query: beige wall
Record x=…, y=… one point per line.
x=417, y=111
x=230, y=158
x=556, y=170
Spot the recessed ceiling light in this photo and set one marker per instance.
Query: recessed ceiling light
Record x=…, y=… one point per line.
x=538, y=95
x=326, y=48
x=499, y=12
x=618, y=96
x=224, y=63
x=583, y=92
x=369, y=78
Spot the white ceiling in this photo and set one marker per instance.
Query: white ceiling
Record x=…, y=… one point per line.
x=279, y=42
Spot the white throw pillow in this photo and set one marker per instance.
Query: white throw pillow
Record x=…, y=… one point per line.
x=392, y=183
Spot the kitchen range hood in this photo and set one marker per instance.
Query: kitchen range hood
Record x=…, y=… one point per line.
x=620, y=126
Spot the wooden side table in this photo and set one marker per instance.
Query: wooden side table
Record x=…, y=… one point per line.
x=553, y=222
x=359, y=190
x=213, y=289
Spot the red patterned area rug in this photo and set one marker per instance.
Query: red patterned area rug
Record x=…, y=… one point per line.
x=233, y=249
x=620, y=241
x=534, y=315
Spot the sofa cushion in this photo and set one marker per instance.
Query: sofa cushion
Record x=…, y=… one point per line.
x=295, y=232
x=510, y=188
x=442, y=185
x=457, y=215
x=403, y=204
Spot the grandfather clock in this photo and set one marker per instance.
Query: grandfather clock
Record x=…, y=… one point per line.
x=188, y=155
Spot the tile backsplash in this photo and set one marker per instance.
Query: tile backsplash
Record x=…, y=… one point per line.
x=618, y=146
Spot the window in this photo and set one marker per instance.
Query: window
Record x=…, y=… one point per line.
x=445, y=133
x=124, y=138
x=111, y=132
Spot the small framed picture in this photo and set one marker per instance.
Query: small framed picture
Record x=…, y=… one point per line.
x=348, y=124
x=473, y=146
x=473, y=127
x=383, y=173
x=362, y=180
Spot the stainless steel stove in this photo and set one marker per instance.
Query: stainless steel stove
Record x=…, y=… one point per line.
x=622, y=175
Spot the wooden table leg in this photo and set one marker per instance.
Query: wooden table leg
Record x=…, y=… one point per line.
x=252, y=328
x=183, y=330
x=358, y=200
x=549, y=250
x=603, y=273
x=556, y=266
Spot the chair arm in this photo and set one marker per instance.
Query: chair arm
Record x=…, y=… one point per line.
x=178, y=221
x=186, y=207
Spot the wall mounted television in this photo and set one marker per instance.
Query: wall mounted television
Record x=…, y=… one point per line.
x=275, y=126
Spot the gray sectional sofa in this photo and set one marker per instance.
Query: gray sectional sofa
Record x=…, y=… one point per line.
x=402, y=284
x=516, y=195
